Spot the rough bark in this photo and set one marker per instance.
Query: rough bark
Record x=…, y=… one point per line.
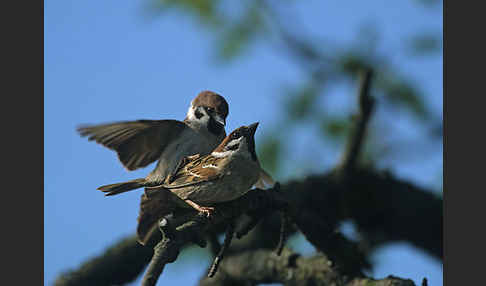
x=290, y=269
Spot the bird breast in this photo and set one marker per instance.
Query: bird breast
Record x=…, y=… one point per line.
x=238, y=176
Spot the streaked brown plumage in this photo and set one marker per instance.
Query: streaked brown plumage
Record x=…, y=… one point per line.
x=202, y=181
x=139, y=143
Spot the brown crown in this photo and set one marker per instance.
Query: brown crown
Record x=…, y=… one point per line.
x=212, y=99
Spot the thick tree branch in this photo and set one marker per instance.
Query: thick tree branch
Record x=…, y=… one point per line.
x=381, y=206
x=182, y=228
x=263, y=266
x=174, y=237
x=121, y=263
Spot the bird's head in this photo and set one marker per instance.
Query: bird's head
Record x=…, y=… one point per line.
x=239, y=142
x=209, y=109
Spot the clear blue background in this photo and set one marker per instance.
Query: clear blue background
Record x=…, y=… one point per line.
x=107, y=61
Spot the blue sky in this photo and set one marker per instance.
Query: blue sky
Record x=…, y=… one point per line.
x=106, y=61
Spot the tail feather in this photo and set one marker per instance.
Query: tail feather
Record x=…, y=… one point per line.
x=153, y=206
x=118, y=188
x=265, y=181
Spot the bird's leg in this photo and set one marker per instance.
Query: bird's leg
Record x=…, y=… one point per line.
x=208, y=211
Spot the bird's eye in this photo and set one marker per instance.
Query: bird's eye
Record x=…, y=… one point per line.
x=210, y=109
x=236, y=135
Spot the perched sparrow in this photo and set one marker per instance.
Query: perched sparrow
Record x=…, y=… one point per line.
x=202, y=181
x=139, y=143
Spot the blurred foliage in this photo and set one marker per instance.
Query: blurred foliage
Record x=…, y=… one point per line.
x=429, y=3
x=336, y=128
x=269, y=153
x=351, y=63
x=300, y=103
x=323, y=64
x=424, y=44
x=203, y=10
x=233, y=34
x=237, y=36
x=401, y=93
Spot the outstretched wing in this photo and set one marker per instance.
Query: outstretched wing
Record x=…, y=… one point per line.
x=138, y=143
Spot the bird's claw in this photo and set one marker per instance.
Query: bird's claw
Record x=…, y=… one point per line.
x=207, y=211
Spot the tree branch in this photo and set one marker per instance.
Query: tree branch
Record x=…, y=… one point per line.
x=174, y=237
x=356, y=138
x=264, y=266
x=121, y=263
x=384, y=208
x=180, y=229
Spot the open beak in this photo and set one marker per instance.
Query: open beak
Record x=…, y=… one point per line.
x=253, y=128
x=219, y=119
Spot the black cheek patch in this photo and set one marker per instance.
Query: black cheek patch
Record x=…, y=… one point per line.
x=234, y=147
x=214, y=127
x=198, y=114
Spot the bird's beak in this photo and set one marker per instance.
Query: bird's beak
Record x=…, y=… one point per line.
x=253, y=128
x=219, y=119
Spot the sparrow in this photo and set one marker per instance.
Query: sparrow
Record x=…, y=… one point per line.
x=201, y=181
x=141, y=142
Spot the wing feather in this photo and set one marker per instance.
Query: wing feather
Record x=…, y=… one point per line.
x=137, y=143
x=195, y=172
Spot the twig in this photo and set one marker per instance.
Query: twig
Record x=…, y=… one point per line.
x=284, y=224
x=230, y=230
x=355, y=142
x=214, y=244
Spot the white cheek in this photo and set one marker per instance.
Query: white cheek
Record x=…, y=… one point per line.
x=190, y=113
x=221, y=154
x=235, y=142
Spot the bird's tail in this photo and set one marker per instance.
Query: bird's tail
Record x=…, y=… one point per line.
x=118, y=188
x=265, y=181
x=154, y=205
